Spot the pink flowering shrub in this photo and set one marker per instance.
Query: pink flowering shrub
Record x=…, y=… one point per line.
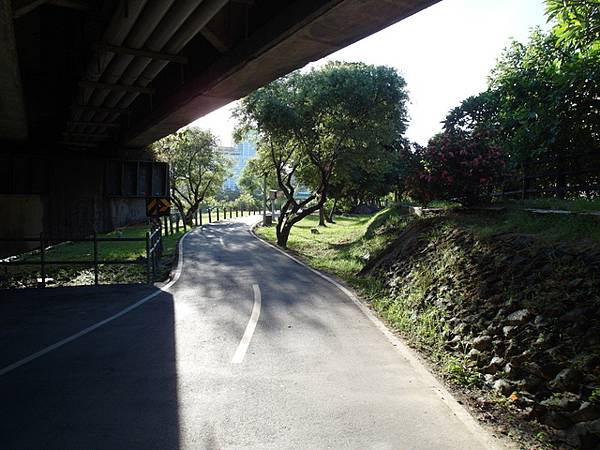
x=456, y=166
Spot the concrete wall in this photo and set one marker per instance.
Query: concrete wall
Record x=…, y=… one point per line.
x=124, y=211
x=73, y=204
x=20, y=216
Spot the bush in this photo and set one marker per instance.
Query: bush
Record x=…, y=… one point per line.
x=456, y=166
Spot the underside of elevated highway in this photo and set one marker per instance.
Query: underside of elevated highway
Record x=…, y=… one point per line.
x=87, y=85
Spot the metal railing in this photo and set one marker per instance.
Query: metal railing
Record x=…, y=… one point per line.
x=153, y=240
x=171, y=224
x=153, y=244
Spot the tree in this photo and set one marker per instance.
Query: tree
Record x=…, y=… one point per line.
x=456, y=166
x=252, y=177
x=542, y=101
x=369, y=175
x=197, y=168
x=306, y=123
x=577, y=23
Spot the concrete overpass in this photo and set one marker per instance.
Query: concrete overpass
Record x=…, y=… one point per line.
x=87, y=85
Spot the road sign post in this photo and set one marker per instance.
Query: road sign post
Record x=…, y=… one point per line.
x=158, y=206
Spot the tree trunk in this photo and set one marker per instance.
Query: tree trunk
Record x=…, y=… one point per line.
x=283, y=234
x=332, y=212
x=322, y=217
x=188, y=218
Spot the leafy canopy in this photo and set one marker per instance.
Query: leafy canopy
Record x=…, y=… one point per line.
x=311, y=126
x=197, y=167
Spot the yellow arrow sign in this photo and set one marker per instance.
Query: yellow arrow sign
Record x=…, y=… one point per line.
x=157, y=206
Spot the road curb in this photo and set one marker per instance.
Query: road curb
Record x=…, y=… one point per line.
x=93, y=327
x=415, y=360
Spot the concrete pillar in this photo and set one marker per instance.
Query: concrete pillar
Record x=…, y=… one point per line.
x=13, y=120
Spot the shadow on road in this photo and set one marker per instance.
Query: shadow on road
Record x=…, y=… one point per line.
x=115, y=387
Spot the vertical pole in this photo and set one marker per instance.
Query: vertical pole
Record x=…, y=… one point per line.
x=217, y=213
x=165, y=225
x=95, y=259
x=209, y=218
x=153, y=254
x=148, y=262
x=525, y=179
x=171, y=223
x=43, y=260
x=265, y=201
x=160, y=243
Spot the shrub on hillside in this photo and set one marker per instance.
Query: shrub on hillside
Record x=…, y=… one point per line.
x=456, y=166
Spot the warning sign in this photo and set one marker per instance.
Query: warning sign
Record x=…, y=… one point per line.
x=158, y=207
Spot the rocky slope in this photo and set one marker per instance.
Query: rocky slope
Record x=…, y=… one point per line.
x=515, y=316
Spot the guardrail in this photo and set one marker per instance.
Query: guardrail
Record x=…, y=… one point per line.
x=153, y=244
x=153, y=240
x=171, y=224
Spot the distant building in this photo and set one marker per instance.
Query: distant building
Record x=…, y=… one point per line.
x=239, y=155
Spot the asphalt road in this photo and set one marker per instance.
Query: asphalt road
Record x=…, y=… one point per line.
x=247, y=349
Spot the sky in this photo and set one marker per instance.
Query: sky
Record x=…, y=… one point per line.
x=444, y=53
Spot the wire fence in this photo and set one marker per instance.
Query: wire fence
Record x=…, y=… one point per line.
x=562, y=177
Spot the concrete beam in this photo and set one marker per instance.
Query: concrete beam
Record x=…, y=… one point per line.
x=300, y=34
x=26, y=6
x=13, y=119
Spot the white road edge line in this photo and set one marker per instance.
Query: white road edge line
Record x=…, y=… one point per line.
x=491, y=442
x=91, y=328
x=242, y=348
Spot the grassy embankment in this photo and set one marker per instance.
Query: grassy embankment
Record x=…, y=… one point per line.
x=345, y=247
x=475, y=290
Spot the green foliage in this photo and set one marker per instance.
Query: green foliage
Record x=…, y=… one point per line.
x=456, y=166
x=253, y=176
x=197, y=168
x=595, y=396
x=316, y=127
x=542, y=100
x=461, y=370
x=577, y=23
x=245, y=202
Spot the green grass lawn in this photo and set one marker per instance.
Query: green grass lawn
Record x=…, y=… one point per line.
x=344, y=247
